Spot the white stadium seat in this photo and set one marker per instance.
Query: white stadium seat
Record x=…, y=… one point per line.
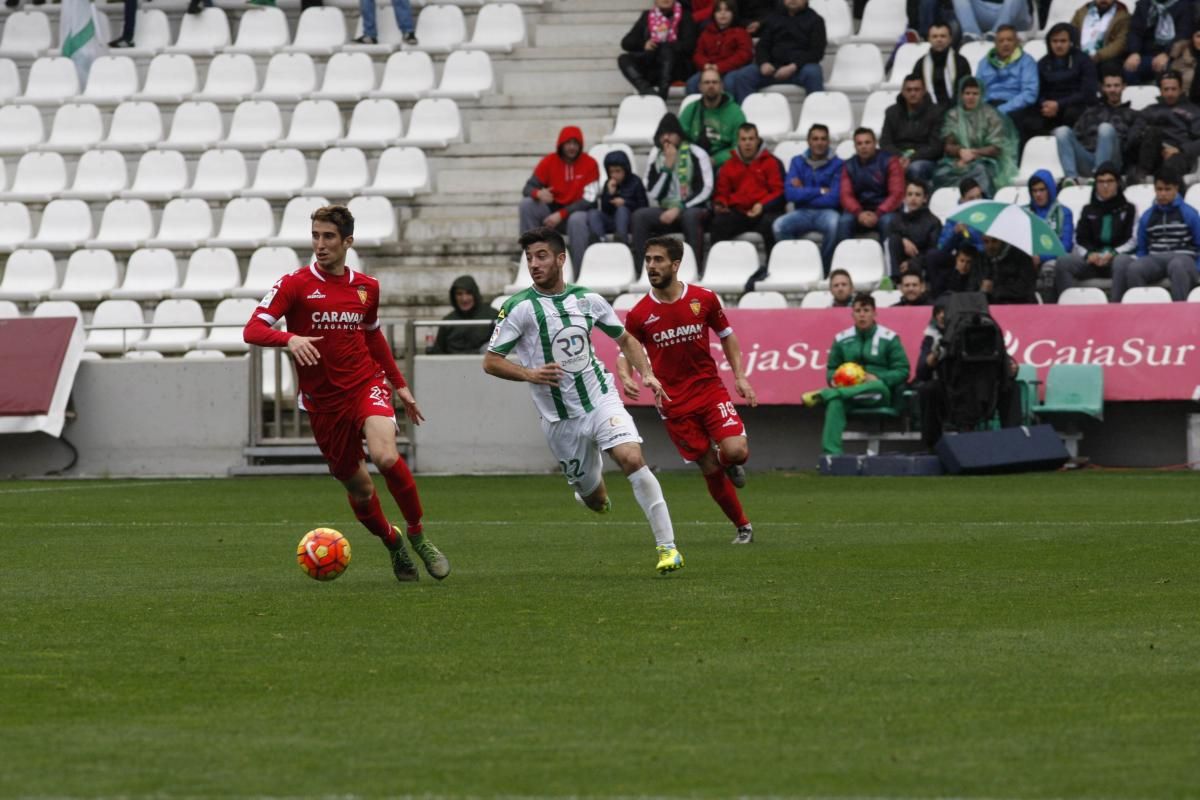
x=388, y=34
x=1194, y=295
x=220, y=175
x=1139, y=97
x=77, y=127
x=637, y=119
x=1142, y=197
x=770, y=112
x=52, y=80
x=499, y=27
x=58, y=308
x=375, y=123
x=467, y=75
x=227, y=338
x=256, y=125
x=829, y=108
x=787, y=150
x=943, y=202
x=762, y=299
x=856, y=68
x=29, y=276
x=136, y=125
x=231, y=78
x=341, y=172
x=263, y=31
x=15, y=226
x=152, y=33
x=348, y=78
x=1083, y=296
x=9, y=310
x=39, y=178
x=105, y=337
x=407, y=75
x=295, y=230
x=320, y=31
x=316, y=124
x=174, y=339
x=65, y=225
x=196, y=127
x=149, y=275
x=624, y=301
x=885, y=298
x=441, y=29
x=1041, y=152
x=170, y=78
x=818, y=299
x=203, y=34
x=607, y=268
x=20, y=128
x=874, y=109
x=290, y=78
x=1035, y=48
x=100, y=175
x=142, y=355
x=435, y=122
x=1012, y=194
x=1075, y=198
x=26, y=35
x=1146, y=294
x=729, y=265
x=281, y=174
x=883, y=22
x=401, y=172
x=974, y=52
x=186, y=224
x=246, y=223
x=794, y=266
x=863, y=259
x=10, y=80
x=839, y=25
x=906, y=58
x=267, y=265
x=124, y=225
x=160, y=176
x=90, y=275
x=212, y=273
x=374, y=221
x=111, y=80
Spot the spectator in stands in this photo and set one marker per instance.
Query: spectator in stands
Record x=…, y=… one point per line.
x=723, y=45
x=877, y=350
x=980, y=142
x=913, y=231
x=1009, y=73
x=1106, y=229
x=922, y=14
x=1103, y=27
x=1009, y=276
x=1043, y=203
x=942, y=67
x=679, y=179
x=1185, y=55
x=1156, y=25
x=753, y=12
x=911, y=130
x=872, y=188
x=127, y=26
x=1101, y=134
x=658, y=48
x=979, y=17
x=790, y=47
x=621, y=195
x=968, y=271
x=1171, y=138
x=712, y=121
x=940, y=265
x=196, y=6
x=749, y=193
x=554, y=192
x=841, y=286
x=404, y=21
x=813, y=185
x=1168, y=241
x=1066, y=86
x=912, y=290
x=468, y=305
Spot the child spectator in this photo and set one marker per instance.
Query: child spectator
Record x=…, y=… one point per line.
x=723, y=44
x=622, y=194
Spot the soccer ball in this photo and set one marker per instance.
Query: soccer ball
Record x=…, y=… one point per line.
x=849, y=374
x=323, y=554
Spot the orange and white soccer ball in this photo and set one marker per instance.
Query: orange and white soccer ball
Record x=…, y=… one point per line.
x=849, y=374
x=323, y=554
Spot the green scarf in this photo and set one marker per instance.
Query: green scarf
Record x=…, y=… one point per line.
x=681, y=177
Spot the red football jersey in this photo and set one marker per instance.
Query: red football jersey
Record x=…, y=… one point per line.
x=339, y=309
x=676, y=339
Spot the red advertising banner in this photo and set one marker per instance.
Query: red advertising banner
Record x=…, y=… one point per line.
x=1149, y=352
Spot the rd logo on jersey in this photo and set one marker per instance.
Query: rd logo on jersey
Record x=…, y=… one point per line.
x=572, y=350
x=362, y=295
x=695, y=307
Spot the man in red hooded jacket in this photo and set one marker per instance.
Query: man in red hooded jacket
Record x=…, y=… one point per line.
x=749, y=194
x=555, y=189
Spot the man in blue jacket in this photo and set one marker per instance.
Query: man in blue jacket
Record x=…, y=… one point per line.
x=1168, y=242
x=1009, y=75
x=813, y=185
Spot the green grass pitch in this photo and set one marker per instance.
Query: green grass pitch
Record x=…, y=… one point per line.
x=1030, y=636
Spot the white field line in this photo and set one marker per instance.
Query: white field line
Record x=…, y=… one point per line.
x=86, y=487
x=598, y=524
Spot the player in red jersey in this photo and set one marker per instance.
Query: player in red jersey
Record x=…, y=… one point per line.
x=672, y=322
x=342, y=359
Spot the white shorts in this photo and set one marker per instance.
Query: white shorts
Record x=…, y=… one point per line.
x=578, y=442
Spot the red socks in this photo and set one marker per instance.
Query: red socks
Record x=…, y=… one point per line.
x=370, y=514
x=723, y=491
x=404, y=489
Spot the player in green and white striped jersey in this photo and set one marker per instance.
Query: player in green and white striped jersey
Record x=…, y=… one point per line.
x=548, y=327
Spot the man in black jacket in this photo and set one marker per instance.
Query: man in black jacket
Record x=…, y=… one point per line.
x=912, y=130
x=1106, y=229
x=1105, y=132
x=1009, y=275
x=1066, y=86
x=790, y=47
x=913, y=231
x=942, y=67
x=658, y=49
x=1172, y=136
x=468, y=305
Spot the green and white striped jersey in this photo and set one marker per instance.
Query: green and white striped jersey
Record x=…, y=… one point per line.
x=558, y=328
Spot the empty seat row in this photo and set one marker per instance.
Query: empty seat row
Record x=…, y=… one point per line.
x=320, y=30
x=246, y=223
x=221, y=174
x=150, y=274
x=172, y=78
x=255, y=125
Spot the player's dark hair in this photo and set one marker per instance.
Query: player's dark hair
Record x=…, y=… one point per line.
x=673, y=246
x=340, y=216
x=548, y=236
x=837, y=272
x=863, y=298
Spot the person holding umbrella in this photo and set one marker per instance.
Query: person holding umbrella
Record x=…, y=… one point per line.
x=1012, y=236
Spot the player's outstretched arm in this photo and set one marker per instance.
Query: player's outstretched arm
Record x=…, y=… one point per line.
x=733, y=354
x=633, y=351
x=501, y=367
x=625, y=375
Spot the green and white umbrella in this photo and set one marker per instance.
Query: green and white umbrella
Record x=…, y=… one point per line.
x=1011, y=223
